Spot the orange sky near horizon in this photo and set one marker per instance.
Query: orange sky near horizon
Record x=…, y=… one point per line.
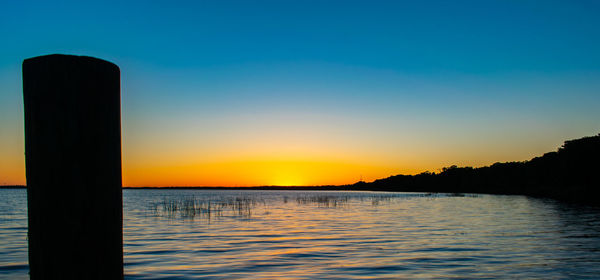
x=229, y=164
x=255, y=161
x=252, y=173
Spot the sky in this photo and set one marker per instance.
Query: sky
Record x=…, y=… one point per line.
x=241, y=93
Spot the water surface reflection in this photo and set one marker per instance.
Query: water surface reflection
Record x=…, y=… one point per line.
x=356, y=235
x=209, y=234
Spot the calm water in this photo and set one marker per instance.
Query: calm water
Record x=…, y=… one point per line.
x=201, y=234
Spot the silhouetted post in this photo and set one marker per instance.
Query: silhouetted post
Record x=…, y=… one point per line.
x=73, y=167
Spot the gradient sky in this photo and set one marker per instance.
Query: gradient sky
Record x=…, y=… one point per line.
x=318, y=92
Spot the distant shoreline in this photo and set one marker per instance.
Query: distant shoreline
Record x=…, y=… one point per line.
x=343, y=187
x=13, y=187
x=567, y=174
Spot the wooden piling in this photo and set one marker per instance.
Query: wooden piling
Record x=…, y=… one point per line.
x=73, y=167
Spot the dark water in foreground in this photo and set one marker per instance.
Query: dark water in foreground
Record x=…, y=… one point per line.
x=206, y=234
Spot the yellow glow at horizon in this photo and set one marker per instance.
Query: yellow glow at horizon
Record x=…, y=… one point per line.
x=253, y=173
x=269, y=150
x=264, y=152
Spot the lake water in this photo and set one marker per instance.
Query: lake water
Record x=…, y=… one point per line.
x=233, y=234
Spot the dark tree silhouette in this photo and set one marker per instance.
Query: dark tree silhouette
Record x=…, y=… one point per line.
x=571, y=173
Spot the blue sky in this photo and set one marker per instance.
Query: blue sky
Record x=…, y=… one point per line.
x=466, y=82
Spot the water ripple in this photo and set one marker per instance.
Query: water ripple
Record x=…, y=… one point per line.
x=202, y=234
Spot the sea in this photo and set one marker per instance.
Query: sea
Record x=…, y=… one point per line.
x=256, y=234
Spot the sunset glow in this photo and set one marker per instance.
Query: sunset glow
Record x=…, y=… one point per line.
x=252, y=173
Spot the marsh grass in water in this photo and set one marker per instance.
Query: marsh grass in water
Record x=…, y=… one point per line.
x=243, y=206
x=192, y=207
x=326, y=201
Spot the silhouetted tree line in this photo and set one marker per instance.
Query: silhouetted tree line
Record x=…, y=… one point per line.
x=570, y=173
